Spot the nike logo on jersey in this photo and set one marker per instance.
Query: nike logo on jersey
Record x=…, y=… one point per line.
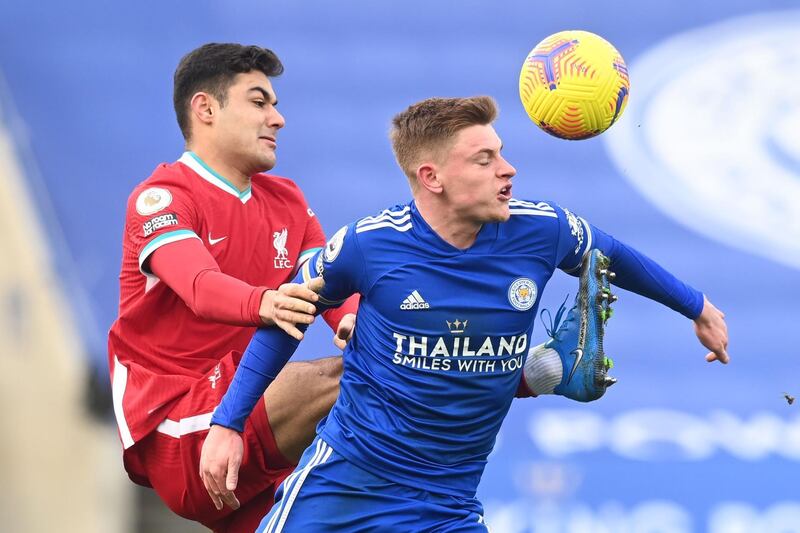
x=212, y=242
x=578, y=356
x=414, y=301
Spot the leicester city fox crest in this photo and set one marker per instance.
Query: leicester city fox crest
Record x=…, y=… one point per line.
x=522, y=294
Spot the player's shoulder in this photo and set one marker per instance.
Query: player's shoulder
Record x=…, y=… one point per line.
x=531, y=219
x=388, y=223
x=165, y=174
x=166, y=180
x=526, y=212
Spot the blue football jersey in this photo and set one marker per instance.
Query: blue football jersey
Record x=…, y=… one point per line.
x=441, y=337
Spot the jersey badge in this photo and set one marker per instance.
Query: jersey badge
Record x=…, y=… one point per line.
x=522, y=293
x=334, y=245
x=152, y=200
x=281, y=254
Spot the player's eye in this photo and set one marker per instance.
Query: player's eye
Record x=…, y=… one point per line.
x=260, y=103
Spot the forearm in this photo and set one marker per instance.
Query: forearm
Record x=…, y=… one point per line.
x=640, y=274
x=268, y=352
x=223, y=298
x=265, y=356
x=191, y=272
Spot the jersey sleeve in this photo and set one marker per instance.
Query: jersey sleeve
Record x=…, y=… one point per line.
x=342, y=266
x=313, y=242
x=158, y=215
x=334, y=316
x=193, y=274
x=638, y=273
x=634, y=271
x=574, y=240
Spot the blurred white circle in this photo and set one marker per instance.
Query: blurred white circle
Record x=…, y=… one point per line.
x=712, y=132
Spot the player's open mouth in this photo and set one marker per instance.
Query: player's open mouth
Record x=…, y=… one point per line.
x=505, y=193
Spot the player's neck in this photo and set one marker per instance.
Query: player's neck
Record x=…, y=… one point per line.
x=217, y=162
x=447, y=224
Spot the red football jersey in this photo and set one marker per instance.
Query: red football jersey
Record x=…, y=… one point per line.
x=158, y=347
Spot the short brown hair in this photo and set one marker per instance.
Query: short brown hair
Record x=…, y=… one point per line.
x=212, y=69
x=429, y=126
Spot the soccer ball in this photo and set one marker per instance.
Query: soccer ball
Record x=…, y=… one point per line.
x=574, y=85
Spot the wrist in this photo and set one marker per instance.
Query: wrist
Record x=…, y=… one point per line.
x=225, y=429
x=266, y=309
x=704, y=311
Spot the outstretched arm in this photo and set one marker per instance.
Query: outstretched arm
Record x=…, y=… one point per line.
x=635, y=272
x=640, y=274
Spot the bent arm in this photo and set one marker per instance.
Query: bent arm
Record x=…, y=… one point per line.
x=191, y=271
x=265, y=356
x=640, y=274
x=268, y=352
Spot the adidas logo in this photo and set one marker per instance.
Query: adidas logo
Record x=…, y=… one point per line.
x=414, y=301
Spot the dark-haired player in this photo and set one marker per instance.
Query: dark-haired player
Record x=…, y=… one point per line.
x=209, y=244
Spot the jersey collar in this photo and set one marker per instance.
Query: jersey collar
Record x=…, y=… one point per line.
x=193, y=161
x=483, y=242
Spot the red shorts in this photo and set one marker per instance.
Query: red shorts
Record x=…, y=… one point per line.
x=169, y=458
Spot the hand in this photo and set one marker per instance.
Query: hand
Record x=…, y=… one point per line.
x=344, y=331
x=220, y=460
x=712, y=332
x=291, y=304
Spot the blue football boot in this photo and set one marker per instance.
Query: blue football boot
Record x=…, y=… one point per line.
x=579, y=338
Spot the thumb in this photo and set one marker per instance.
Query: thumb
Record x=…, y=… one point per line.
x=346, y=325
x=339, y=342
x=316, y=284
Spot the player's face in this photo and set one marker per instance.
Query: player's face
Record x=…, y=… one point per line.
x=246, y=130
x=476, y=178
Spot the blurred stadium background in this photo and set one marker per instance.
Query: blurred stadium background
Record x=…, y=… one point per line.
x=702, y=173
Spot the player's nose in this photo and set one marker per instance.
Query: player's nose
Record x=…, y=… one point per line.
x=275, y=119
x=506, y=170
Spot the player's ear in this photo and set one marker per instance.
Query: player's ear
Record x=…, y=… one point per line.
x=203, y=107
x=428, y=177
